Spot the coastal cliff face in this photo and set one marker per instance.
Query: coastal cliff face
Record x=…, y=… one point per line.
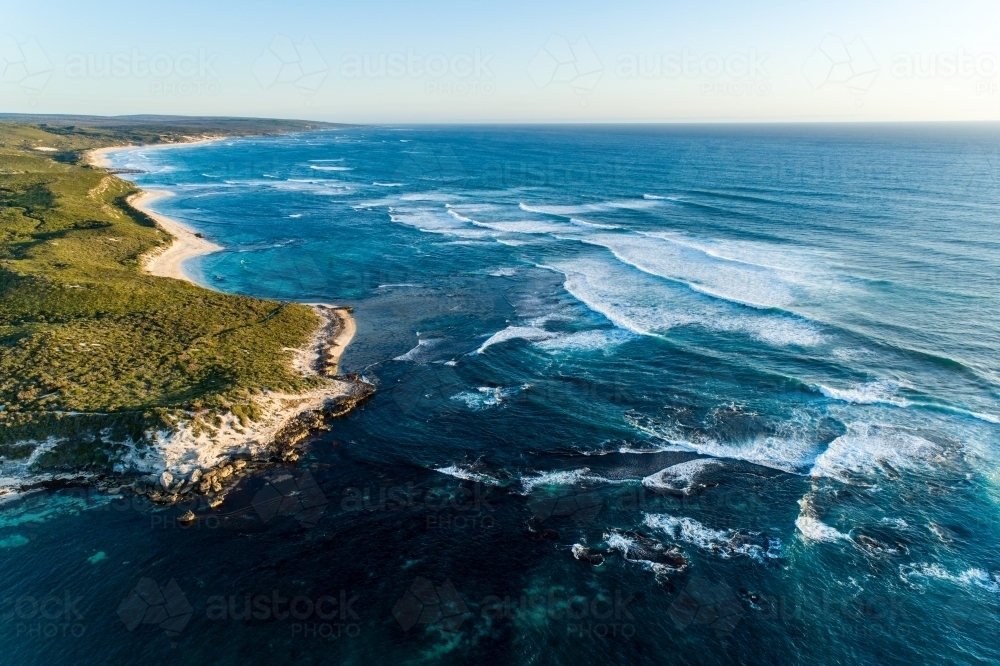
x=107, y=371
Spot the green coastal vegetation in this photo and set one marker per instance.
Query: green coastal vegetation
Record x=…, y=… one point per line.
x=93, y=351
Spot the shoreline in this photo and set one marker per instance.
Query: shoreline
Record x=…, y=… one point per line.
x=338, y=326
x=191, y=461
x=199, y=464
x=98, y=157
x=168, y=261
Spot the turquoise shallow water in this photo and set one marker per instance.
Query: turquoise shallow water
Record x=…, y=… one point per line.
x=774, y=350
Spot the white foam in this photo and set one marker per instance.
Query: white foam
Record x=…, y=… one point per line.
x=866, y=449
x=632, y=551
x=466, y=474
x=618, y=541
x=867, y=394
x=560, y=478
x=778, y=331
x=323, y=187
x=649, y=305
x=813, y=528
x=456, y=215
x=428, y=196
x=970, y=577
x=981, y=416
x=330, y=168
x=685, y=529
x=568, y=478
x=592, y=225
x=681, y=477
x=736, y=281
x=719, y=542
x=436, y=222
x=520, y=226
x=604, y=206
x=557, y=210
x=530, y=333
x=415, y=354
x=486, y=397
x=652, y=448
x=504, y=272
x=585, y=341
x=792, y=452
x=378, y=184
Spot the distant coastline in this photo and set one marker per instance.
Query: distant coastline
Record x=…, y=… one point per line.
x=98, y=157
x=189, y=451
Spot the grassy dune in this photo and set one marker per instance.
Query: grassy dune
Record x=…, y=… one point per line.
x=93, y=350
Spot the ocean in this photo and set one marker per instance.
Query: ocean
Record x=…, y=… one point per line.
x=697, y=394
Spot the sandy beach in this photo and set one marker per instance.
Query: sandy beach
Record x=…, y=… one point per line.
x=98, y=157
x=168, y=261
x=329, y=341
x=331, y=338
x=185, y=449
x=322, y=355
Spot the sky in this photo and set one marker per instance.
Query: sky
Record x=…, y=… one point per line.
x=493, y=62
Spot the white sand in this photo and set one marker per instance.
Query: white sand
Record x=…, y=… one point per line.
x=98, y=157
x=168, y=261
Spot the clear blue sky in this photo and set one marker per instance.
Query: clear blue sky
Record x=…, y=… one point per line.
x=379, y=61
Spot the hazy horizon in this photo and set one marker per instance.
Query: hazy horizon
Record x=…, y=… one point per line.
x=511, y=63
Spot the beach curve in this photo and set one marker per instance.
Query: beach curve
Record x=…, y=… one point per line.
x=286, y=417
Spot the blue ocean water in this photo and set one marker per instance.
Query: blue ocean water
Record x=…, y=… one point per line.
x=771, y=351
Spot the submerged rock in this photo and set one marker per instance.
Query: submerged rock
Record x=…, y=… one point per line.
x=585, y=554
x=876, y=547
x=540, y=533
x=636, y=547
x=684, y=479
